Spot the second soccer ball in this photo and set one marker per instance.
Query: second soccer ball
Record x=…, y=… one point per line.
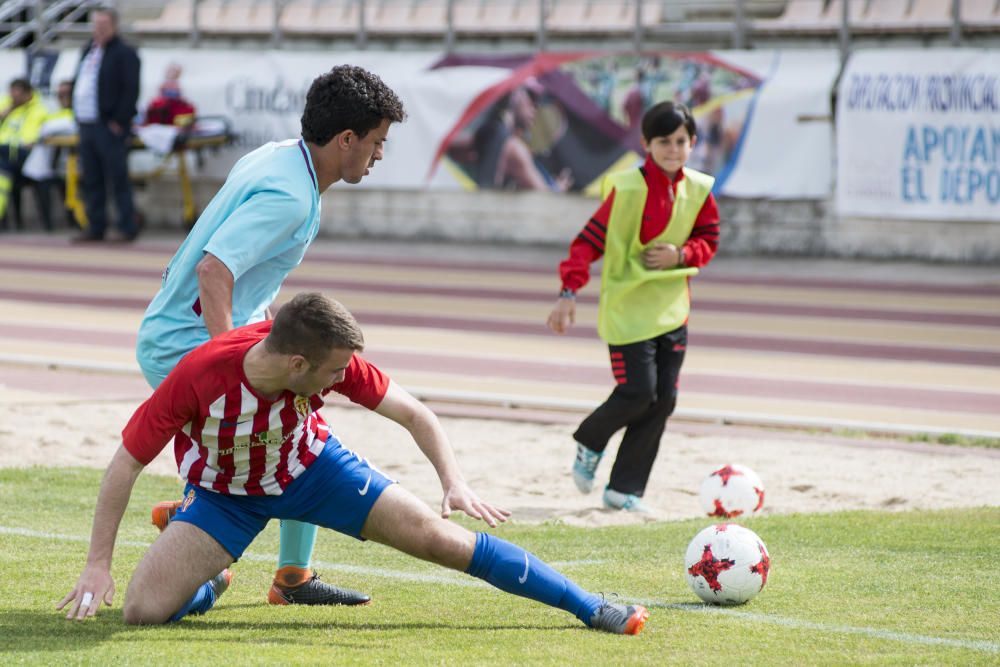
x=732, y=490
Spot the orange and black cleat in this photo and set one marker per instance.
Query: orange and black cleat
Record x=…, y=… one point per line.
x=297, y=585
x=620, y=619
x=163, y=512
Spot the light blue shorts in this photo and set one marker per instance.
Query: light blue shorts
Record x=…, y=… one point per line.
x=337, y=491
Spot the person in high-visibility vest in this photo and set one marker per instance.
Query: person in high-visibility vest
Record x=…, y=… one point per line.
x=656, y=226
x=42, y=163
x=19, y=128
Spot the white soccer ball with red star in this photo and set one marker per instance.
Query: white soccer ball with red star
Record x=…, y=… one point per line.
x=732, y=490
x=726, y=564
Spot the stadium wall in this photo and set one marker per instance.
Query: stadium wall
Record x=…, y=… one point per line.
x=750, y=226
x=775, y=167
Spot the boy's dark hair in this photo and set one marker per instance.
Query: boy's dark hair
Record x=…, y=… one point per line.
x=347, y=98
x=663, y=119
x=312, y=325
x=21, y=84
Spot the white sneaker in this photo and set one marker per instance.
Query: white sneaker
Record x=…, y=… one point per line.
x=584, y=467
x=616, y=500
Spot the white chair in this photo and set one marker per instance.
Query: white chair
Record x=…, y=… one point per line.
x=798, y=13
x=339, y=17
x=430, y=17
x=298, y=16
x=930, y=15
x=883, y=15
x=390, y=17
x=176, y=17
x=498, y=17
x=569, y=16
x=467, y=15
x=980, y=15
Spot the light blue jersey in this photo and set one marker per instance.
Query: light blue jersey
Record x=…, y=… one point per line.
x=259, y=225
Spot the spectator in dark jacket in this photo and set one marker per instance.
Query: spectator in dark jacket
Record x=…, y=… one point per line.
x=104, y=102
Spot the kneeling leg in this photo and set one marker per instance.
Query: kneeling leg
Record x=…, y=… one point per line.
x=171, y=578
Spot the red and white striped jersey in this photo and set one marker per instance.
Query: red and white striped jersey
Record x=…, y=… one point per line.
x=227, y=437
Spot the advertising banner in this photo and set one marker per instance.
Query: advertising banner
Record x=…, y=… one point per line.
x=918, y=137
x=547, y=121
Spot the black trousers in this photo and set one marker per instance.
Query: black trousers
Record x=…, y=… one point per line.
x=11, y=161
x=646, y=374
x=104, y=161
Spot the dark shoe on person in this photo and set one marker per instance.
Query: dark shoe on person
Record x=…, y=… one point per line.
x=620, y=619
x=295, y=585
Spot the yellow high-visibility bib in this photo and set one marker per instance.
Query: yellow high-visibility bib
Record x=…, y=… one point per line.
x=636, y=303
x=22, y=125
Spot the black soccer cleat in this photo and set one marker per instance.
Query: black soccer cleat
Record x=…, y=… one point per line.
x=312, y=591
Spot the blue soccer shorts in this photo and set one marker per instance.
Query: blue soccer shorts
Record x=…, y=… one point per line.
x=337, y=491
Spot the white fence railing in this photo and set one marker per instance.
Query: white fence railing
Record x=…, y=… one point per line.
x=734, y=23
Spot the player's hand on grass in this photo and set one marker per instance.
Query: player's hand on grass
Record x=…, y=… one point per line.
x=563, y=315
x=461, y=497
x=94, y=585
x=661, y=256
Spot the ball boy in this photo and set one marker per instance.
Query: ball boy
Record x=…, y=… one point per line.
x=656, y=226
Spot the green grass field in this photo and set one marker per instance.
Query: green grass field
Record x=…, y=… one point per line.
x=854, y=587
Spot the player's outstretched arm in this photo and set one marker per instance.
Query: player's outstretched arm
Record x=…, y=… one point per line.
x=401, y=407
x=95, y=583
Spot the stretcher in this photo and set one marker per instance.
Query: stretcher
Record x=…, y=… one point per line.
x=204, y=133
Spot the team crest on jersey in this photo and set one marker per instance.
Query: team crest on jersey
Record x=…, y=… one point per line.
x=188, y=499
x=303, y=405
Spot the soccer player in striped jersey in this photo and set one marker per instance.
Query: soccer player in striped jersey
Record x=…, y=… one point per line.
x=257, y=229
x=242, y=411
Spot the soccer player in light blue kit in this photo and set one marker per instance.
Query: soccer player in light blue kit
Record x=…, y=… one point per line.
x=253, y=233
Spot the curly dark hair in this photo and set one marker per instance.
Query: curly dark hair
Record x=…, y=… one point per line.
x=347, y=98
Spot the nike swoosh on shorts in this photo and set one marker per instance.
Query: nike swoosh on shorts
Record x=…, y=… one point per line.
x=364, y=490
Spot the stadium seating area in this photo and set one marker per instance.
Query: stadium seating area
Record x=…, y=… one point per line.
x=677, y=24
x=394, y=17
x=514, y=18
x=881, y=16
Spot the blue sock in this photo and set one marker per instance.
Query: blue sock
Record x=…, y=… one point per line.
x=202, y=600
x=512, y=569
x=296, y=544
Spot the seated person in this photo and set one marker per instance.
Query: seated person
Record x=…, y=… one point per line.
x=20, y=123
x=45, y=163
x=170, y=107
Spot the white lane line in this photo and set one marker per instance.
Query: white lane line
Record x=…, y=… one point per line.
x=457, y=579
x=444, y=577
x=794, y=623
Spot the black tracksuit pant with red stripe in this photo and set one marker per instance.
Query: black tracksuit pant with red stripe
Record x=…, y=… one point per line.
x=646, y=373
